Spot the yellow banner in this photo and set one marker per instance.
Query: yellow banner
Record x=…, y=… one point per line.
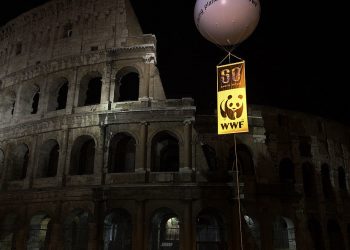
x=231, y=99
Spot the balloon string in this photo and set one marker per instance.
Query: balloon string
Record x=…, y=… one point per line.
x=229, y=55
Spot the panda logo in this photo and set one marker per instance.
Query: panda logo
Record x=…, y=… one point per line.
x=232, y=108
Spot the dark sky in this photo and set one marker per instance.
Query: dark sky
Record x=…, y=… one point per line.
x=295, y=59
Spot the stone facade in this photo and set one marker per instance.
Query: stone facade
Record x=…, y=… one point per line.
x=94, y=156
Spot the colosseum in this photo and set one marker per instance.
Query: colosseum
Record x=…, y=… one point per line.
x=94, y=156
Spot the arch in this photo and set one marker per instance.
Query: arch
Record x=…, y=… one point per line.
x=326, y=183
x=165, y=152
x=76, y=230
x=35, y=101
x=286, y=171
x=126, y=85
x=122, y=154
x=210, y=156
x=165, y=231
x=336, y=240
x=20, y=161
x=283, y=234
x=7, y=104
x=309, y=183
x=210, y=232
x=90, y=89
x=315, y=230
x=48, y=159
x=118, y=230
x=8, y=228
x=254, y=228
x=29, y=99
x=39, y=232
x=245, y=160
x=342, y=179
x=82, y=156
x=58, y=94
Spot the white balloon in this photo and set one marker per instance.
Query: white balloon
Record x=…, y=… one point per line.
x=226, y=22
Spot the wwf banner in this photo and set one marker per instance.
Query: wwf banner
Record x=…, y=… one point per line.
x=231, y=99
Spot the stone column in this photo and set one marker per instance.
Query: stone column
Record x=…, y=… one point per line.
x=266, y=231
x=106, y=84
x=138, y=240
x=142, y=166
x=187, y=146
x=92, y=236
x=72, y=95
x=20, y=237
x=187, y=227
x=56, y=237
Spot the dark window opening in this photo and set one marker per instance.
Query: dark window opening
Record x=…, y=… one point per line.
x=336, y=240
x=342, y=179
x=62, y=96
x=93, y=93
x=25, y=165
x=305, y=149
x=75, y=231
x=13, y=107
x=210, y=156
x=245, y=162
x=8, y=229
x=122, y=154
x=129, y=87
x=165, y=153
x=53, y=161
x=93, y=48
x=117, y=231
x=67, y=30
x=35, y=103
x=309, y=180
x=286, y=171
x=209, y=232
x=326, y=183
x=316, y=234
x=18, y=48
x=86, y=158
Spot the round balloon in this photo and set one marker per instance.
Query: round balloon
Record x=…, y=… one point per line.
x=226, y=22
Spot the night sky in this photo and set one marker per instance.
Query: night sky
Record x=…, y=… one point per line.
x=296, y=58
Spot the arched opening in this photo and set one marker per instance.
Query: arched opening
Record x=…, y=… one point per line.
x=62, y=96
x=82, y=156
x=20, y=160
x=127, y=85
x=305, y=147
x=254, y=229
x=286, y=171
x=326, y=183
x=76, y=230
x=117, y=231
x=165, y=153
x=283, y=234
x=244, y=160
x=342, y=179
x=90, y=89
x=165, y=233
x=210, y=156
x=309, y=180
x=336, y=240
x=35, y=101
x=39, y=232
x=48, y=159
x=8, y=230
x=122, y=154
x=7, y=104
x=315, y=230
x=210, y=231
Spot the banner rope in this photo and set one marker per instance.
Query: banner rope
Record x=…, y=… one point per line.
x=238, y=194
